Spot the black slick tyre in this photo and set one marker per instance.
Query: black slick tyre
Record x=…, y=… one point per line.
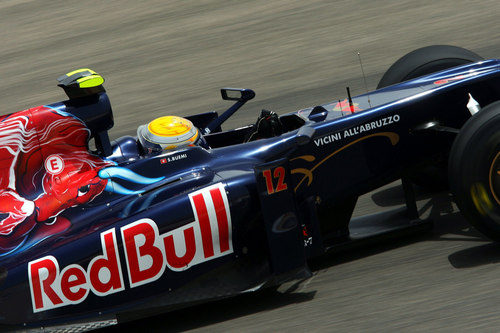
x=474, y=170
x=426, y=60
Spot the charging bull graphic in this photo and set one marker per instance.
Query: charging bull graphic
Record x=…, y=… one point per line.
x=45, y=168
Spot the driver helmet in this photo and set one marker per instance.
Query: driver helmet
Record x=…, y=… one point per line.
x=169, y=132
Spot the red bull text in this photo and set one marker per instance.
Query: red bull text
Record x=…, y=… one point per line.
x=148, y=254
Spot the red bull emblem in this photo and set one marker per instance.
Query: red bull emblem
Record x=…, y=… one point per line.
x=147, y=252
x=42, y=175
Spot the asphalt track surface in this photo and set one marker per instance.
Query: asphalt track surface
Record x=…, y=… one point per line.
x=171, y=57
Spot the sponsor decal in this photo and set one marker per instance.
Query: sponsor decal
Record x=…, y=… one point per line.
x=147, y=254
x=308, y=240
x=448, y=80
x=308, y=173
x=41, y=174
x=337, y=136
x=52, y=288
x=340, y=106
x=344, y=106
x=471, y=73
x=173, y=158
x=46, y=168
x=54, y=164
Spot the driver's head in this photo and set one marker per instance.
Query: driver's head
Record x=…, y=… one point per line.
x=168, y=132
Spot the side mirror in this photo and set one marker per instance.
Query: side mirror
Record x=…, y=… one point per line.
x=241, y=96
x=237, y=94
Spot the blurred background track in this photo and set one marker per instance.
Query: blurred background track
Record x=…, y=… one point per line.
x=171, y=57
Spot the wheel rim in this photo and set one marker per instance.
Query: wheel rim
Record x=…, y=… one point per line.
x=494, y=178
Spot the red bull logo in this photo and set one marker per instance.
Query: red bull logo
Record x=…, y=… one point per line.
x=148, y=254
x=45, y=168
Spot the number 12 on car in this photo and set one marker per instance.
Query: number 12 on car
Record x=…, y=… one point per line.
x=275, y=176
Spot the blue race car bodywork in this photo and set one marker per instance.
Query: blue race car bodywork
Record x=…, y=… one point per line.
x=159, y=231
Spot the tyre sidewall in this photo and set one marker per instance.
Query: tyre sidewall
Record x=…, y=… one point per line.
x=471, y=174
x=426, y=60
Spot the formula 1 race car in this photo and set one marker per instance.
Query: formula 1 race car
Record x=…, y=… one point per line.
x=186, y=212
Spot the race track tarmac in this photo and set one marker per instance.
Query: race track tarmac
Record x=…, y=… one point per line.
x=171, y=57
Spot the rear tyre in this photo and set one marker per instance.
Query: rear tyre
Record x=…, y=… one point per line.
x=432, y=173
x=474, y=170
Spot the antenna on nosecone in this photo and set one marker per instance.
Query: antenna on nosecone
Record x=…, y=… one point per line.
x=364, y=79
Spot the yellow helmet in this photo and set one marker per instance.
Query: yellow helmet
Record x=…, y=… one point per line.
x=168, y=132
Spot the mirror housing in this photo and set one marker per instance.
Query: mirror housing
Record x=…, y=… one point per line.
x=237, y=94
x=241, y=96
